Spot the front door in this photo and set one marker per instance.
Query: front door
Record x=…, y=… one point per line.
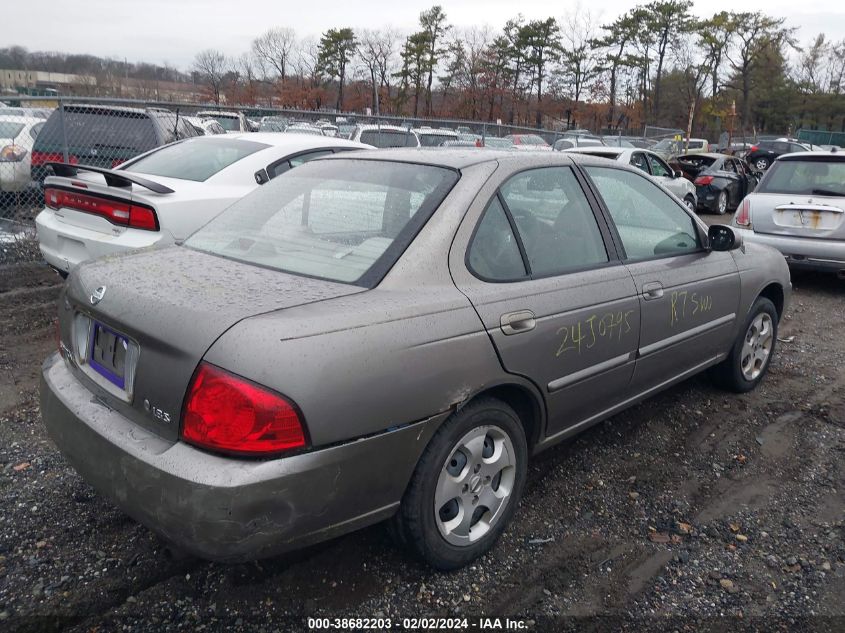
x=689, y=296
x=558, y=305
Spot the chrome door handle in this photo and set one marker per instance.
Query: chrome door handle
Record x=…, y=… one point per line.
x=517, y=322
x=652, y=290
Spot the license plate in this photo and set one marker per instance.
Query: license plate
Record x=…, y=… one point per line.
x=108, y=354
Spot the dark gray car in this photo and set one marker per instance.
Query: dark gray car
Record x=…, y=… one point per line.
x=391, y=336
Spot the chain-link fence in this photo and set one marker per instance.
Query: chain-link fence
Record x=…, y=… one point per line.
x=36, y=131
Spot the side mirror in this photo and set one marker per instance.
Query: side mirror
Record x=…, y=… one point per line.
x=723, y=238
x=677, y=174
x=261, y=176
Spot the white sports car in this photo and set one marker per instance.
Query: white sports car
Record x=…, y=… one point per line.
x=164, y=195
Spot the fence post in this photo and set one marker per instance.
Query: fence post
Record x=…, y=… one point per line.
x=64, y=131
x=484, y=133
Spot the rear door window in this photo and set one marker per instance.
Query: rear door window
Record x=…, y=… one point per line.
x=494, y=253
x=554, y=220
x=281, y=166
x=638, y=160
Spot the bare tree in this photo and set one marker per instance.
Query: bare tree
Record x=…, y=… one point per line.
x=580, y=61
x=211, y=66
x=377, y=51
x=274, y=49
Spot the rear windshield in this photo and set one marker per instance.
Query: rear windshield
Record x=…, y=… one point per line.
x=195, y=160
x=344, y=220
x=530, y=139
x=434, y=140
x=230, y=124
x=805, y=177
x=108, y=133
x=8, y=129
x=388, y=138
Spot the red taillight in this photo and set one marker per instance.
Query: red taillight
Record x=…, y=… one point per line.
x=753, y=148
x=704, y=180
x=122, y=213
x=39, y=158
x=743, y=214
x=224, y=412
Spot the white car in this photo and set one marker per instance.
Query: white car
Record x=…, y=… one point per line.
x=232, y=122
x=164, y=195
x=205, y=127
x=384, y=136
x=17, y=134
x=650, y=163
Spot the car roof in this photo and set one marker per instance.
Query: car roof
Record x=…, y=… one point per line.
x=389, y=128
x=713, y=155
x=835, y=156
x=98, y=107
x=292, y=142
x=17, y=118
x=459, y=158
x=603, y=149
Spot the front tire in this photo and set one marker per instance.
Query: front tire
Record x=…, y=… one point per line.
x=753, y=350
x=690, y=203
x=762, y=164
x=466, y=486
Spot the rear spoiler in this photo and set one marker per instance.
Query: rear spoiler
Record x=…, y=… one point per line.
x=113, y=178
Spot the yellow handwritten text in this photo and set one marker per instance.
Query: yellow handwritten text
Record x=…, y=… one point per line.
x=684, y=304
x=587, y=333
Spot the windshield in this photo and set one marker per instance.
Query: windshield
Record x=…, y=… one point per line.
x=498, y=142
x=8, y=129
x=344, y=220
x=665, y=144
x=388, y=138
x=195, y=160
x=805, y=177
x=434, y=140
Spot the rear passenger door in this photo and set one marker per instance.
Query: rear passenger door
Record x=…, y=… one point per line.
x=689, y=296
x=543, y=275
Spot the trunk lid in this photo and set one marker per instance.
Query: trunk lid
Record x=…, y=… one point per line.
x=173, y=304
x=798, y=215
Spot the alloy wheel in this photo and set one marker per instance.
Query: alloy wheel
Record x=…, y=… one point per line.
x=757, y=346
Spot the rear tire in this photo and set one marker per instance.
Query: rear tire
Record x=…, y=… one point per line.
x=722, y=203
x=752, y=351
x=762, y=164
x=474, y=469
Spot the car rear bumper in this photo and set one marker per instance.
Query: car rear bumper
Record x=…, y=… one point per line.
x=802, y=252
x=222, y=508
x=65, y=245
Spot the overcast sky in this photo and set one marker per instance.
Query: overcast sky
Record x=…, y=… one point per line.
x=173, y=31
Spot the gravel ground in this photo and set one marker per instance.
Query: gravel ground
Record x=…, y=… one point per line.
x=697, y=510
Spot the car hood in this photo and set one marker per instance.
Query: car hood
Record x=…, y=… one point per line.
x=175, y=303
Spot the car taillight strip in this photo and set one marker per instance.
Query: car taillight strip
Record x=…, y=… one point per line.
x=121, y=213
